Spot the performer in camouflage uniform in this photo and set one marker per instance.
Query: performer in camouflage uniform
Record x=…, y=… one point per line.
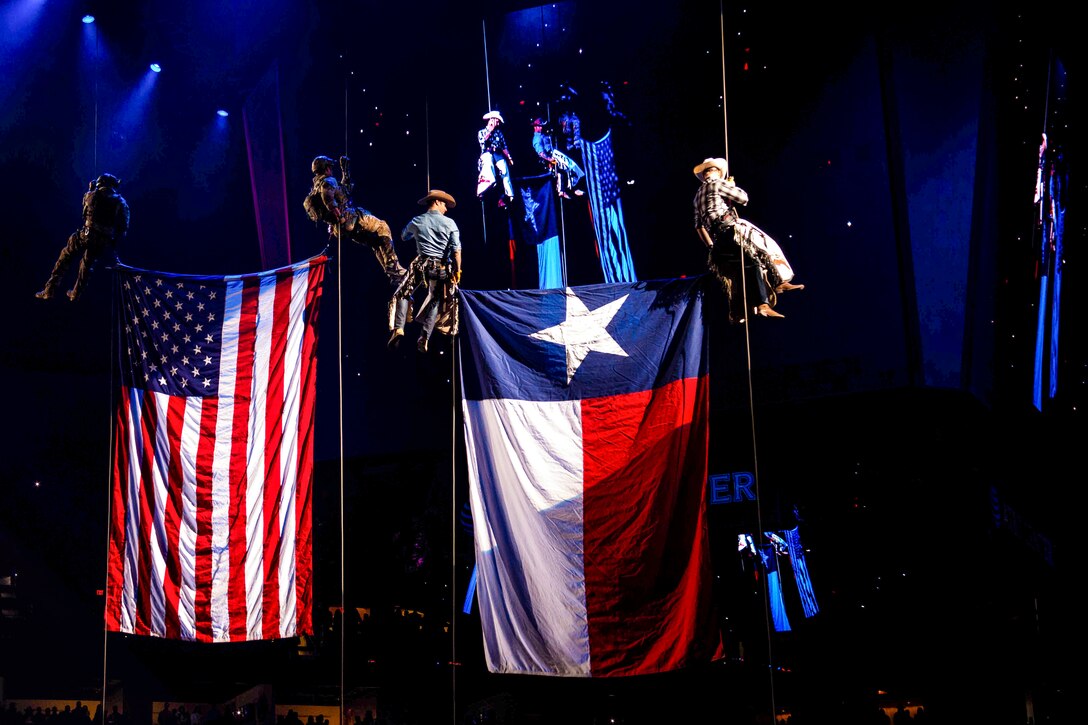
x=329, y=201
x=105, y=224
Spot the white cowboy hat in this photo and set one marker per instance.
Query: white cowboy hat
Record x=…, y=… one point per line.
x=716, y=163
x=493, y=114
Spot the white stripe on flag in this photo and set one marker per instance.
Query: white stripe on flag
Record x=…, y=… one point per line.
x=526, y=500
x=255, y=471
x=190, y=439
x=224, y=426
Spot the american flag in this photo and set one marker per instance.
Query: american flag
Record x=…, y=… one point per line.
x=210, y=533
x=607, y=210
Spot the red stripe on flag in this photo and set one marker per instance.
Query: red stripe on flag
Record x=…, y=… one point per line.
x=239, y=458
x=273, y=481
x=646, y=549
x=115, y=567
x=209, y=412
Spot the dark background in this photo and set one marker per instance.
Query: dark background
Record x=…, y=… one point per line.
x=892, y=154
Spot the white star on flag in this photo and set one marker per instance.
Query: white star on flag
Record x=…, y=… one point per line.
x=583, y=331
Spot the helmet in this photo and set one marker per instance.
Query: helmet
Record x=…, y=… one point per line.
x=322, y=164
x=107, y=180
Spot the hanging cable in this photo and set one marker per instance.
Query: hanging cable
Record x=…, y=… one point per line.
x=109, y=487
x=487, y=83
x=487, y=69
x=453, y=533
x=109, y=415
x=340, y=371
x=427, y=141
x=748, y=316
x=95, y=174
x=725, y=114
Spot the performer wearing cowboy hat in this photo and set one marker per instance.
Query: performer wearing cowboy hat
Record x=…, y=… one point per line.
x=495, y=160
x=555, y=161
x=437, y=265
x=724, y=233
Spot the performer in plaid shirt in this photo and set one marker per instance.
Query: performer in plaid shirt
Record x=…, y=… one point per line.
x=495, y=161
x=717, y=223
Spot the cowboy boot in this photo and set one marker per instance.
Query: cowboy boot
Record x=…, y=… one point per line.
x=765, y=310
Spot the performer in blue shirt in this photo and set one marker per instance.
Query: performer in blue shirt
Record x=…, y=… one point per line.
x=567, y=173
x=437, y=265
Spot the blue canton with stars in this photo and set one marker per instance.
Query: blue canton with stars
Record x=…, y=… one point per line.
x=583, y=342
x=171, y=332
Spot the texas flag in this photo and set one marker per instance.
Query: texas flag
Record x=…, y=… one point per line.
x=586, y=433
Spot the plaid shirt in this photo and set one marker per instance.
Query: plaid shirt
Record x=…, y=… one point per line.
x=495, y=143
x=715, y=203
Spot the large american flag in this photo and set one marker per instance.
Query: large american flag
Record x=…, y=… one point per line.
x=210, y=533
x=607, y=210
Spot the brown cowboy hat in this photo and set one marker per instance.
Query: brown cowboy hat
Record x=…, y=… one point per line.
x=716, y=163
x=437, y=194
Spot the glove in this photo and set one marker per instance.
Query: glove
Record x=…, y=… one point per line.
x=345, y=162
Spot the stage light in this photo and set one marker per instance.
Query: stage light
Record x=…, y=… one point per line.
x=156, y=67
x=222, y=113
x=88, y=19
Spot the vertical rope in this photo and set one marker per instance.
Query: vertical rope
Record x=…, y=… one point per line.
x=96, y=127
x=725, y=115
x=748, y=317
x=487, y=69
x=487, y=83
x=427, y=141
x=340, y=371
x=109, y=487
x=453, y=533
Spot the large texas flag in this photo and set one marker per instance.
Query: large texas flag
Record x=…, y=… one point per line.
x=586, y=432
